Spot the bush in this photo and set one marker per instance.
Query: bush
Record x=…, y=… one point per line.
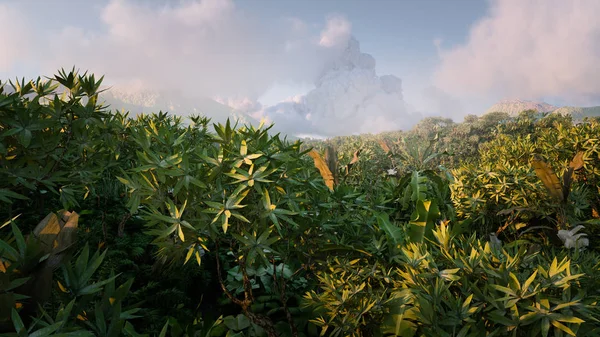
x=221, y=230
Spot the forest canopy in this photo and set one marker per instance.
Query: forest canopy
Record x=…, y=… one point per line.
x=153, y=225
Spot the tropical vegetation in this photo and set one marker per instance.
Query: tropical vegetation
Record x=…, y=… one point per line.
x=159, y=225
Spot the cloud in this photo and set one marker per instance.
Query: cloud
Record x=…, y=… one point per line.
x=241, y=104
x=14, y=37
x=438, y=102
x=170, y=57
x=529, y=49
x=337, y=31
x=349, y=98
x=437, y=43
x=201, y=48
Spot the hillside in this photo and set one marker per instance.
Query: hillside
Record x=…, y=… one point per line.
x=137, y=102
x=578, y=113
x=514, y=107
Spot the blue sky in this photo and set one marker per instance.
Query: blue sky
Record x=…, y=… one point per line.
x=453, y=56
x=399, y=34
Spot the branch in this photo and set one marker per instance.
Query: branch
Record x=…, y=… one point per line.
x=261, y=320
x=283, y=298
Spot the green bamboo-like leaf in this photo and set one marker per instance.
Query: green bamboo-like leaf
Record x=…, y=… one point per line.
x=189, y=253
x=394, y=233
x=562, y=327
x=545, y=326
x=17, y=322
x=5, y=194
x=20, y=240
x=422, y=220
x=96, y=287
x=163, y=331
x=529, y=282
x=16, y=283
x=9, y=221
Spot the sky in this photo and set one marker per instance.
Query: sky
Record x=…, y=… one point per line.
x=453, y=57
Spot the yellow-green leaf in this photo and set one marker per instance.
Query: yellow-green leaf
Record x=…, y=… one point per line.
x=180, y=233
x=189, y=254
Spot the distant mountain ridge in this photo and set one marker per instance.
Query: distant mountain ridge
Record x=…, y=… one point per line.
x=515, y=106
x=145, y=101
x=579, y=113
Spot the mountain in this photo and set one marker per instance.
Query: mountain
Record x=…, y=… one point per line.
x=349, y=98
x=578, y=113
x=145, y=101
x=514, y=107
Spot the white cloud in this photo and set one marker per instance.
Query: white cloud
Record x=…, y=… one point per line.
x=14, y=37
x=437, y=43
x=528, y=49
x=437, y=102
x=337, y=32
x=201, y=48
x=172, y=56
x=241, y=104
x=348, y=98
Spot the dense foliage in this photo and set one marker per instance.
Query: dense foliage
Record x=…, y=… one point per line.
x=154, y=225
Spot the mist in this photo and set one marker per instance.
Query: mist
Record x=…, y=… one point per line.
x=538, y=49
x=193, y=51
x=207, y=48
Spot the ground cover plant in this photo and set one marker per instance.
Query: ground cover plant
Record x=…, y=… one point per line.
x=159, y=225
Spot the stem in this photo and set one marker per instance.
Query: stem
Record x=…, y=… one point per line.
x=261, y=320
x=283, y=298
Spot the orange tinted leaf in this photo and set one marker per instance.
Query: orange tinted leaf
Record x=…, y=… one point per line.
x=322, y=167
x=577, y=162
x=548, y=177
x=384, y=145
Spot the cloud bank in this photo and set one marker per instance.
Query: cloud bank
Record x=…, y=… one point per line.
x=528, y=49
x=190, y=50
x=14, y=44
x=202, y=48
x=349, y=98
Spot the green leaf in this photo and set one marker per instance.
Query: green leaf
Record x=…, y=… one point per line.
x=163, y=332
x=46, y=331
x=95, y=287
x=562, y=327
x=5, y=193
x=529, y=281
x=237, y=323
x=393, y=232
x=17, y=322
x=25, y=138
x=21, y=245
x=545, y=326
x=8, y=251
x=450, y=275
x=92, y=266
x=422, y=220
x=17, y=283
